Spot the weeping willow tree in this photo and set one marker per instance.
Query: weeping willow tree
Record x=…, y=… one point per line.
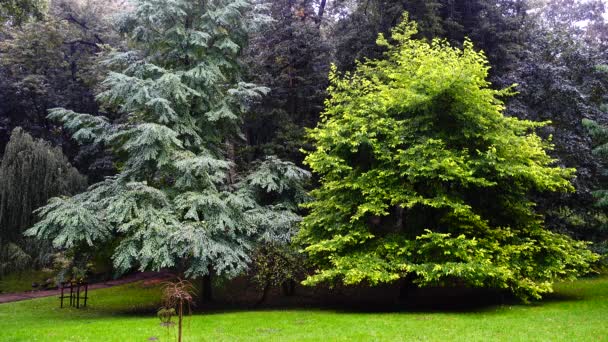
x=179, y=200
x=31, y=172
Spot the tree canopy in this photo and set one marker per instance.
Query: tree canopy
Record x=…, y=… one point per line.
x=422, y=175
x=291, y=57
x=179, y=199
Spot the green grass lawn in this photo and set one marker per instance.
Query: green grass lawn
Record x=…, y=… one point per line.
x=578, y=313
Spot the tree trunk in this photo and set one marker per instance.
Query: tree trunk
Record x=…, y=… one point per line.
x=289, y=288
x=179, y=321
x=292, y=287
x=321, y=10
x=407, y=287
x=264, y=294
x=206, y=288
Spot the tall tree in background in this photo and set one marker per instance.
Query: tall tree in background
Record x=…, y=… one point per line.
x=494, y=25
x=559, y=80
x=31, y=172
x=354, y=34
x=291, y=57
x=423, y=177
x=178, y=200
x=53, y=62
x=599, y=133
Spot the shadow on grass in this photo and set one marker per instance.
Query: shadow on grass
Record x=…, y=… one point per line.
x=444, y=300
x=480, y=302
x=559, y=298
x=122, y=311
x=356, y=300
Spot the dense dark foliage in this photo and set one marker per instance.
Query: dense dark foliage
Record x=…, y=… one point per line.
x=560, y=80
x=494, y=25
x=15, y=12
x=599, y=134
x=53, y=62
x=291, y=57
x=31, y=172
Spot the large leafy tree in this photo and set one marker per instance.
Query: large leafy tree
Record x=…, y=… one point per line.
x=549, y=48
x=423, y=177
x=178, y=200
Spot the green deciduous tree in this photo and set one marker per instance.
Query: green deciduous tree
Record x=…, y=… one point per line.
x=423, y=177
x=178, y=200
x=31, y=172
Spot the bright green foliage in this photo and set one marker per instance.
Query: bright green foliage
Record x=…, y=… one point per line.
x=178, y=200
x=31, y=172
x=422, y=175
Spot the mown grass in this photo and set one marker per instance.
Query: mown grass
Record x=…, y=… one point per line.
x=577, y=312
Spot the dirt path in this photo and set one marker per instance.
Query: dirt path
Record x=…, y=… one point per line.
x=15, y=297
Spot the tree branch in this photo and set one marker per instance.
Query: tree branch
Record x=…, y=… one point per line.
x=72, y=19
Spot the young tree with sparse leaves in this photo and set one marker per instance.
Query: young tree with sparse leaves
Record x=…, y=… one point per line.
x=422, y=177
x=178, y=201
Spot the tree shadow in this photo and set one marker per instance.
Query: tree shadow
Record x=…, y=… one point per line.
x=384, y=299
x=387, y=300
